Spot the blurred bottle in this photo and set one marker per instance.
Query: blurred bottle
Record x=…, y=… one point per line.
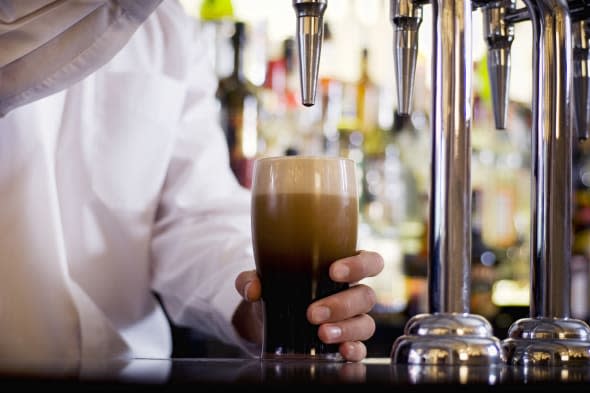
x=580, y=263
x=483, y=261
x=218, y=25
x=278, y=102
x=349, y=137
x=389, y=185
x=239, y=112
x=367, y=114
x=394, y=213
x=331, y=93
x=498, y=163
x=500, y=178
x=216, y=9
x=290, y=93
x=408, y=203
x=367, y=104
x=358, y=133
x=283, y=118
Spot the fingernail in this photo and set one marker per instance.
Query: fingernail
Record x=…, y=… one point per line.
x=246, y=288
x=320, y=314
x=341, y=272
x=333, y=332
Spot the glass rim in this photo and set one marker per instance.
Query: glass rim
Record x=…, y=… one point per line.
x=304, y=157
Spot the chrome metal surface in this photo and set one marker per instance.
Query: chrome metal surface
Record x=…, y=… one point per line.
x=449, y=335
x=406, y=17
x=450, y=188
x=550, y=336
x=552, y=156
x=499, y=36
x=548, y=342
x=310, y=28
x=447, y=339
x=446, y=374
x=450, y=195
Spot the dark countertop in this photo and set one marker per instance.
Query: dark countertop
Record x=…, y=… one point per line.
x=224, y=374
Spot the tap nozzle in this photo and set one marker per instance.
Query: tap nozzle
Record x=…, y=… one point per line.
x=581, y=49
x=499, y=35
x=406, y=17
x=310, y=27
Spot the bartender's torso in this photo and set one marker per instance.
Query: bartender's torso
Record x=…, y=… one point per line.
x=80, y=178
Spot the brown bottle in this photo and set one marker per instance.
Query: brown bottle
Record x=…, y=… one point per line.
x=239, y=112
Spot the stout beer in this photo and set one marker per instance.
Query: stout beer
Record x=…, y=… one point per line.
x=302, y=220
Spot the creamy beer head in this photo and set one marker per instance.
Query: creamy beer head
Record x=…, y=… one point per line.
x=305, y=174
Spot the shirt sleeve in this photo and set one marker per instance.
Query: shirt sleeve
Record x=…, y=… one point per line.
x=201, y=237
x=49, y=45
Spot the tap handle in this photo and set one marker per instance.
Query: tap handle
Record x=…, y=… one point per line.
x=499, y=34
x=406, y=17
x=310, y=28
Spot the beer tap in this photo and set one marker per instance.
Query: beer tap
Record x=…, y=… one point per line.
x=406, y=17
x=310, y=29
x=549, y=336
x=448, y=334
x=579, y=11
x=499, y=35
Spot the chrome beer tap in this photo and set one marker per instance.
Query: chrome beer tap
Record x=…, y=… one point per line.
x=549, y=336
x=406, y=17
x=310, y=28
x=499, y=35
x=448, y=334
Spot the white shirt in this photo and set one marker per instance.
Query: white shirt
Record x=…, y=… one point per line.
x=114, y=188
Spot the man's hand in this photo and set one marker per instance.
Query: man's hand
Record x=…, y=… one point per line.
x=342, y=317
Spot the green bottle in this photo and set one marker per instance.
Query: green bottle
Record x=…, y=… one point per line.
x=216, y=10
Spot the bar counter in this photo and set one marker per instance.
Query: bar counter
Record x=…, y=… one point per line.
x=233, y=374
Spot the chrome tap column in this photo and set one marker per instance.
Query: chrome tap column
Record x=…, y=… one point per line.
x=310, y=28
x=449, y=335
x=549, y=336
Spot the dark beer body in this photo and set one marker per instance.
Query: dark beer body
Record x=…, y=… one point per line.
x=296, y=238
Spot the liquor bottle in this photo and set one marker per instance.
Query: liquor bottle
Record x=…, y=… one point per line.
x=367, y=102
x=281, y=125
x=394, y=220
x=275, y=127
x=483, y=263
x=218, y=19
x=291, y=94
x=331, y=93
x=358, y=133
x=374, y=139
x=216, y=9
x=239, y=112
x=580, y=263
